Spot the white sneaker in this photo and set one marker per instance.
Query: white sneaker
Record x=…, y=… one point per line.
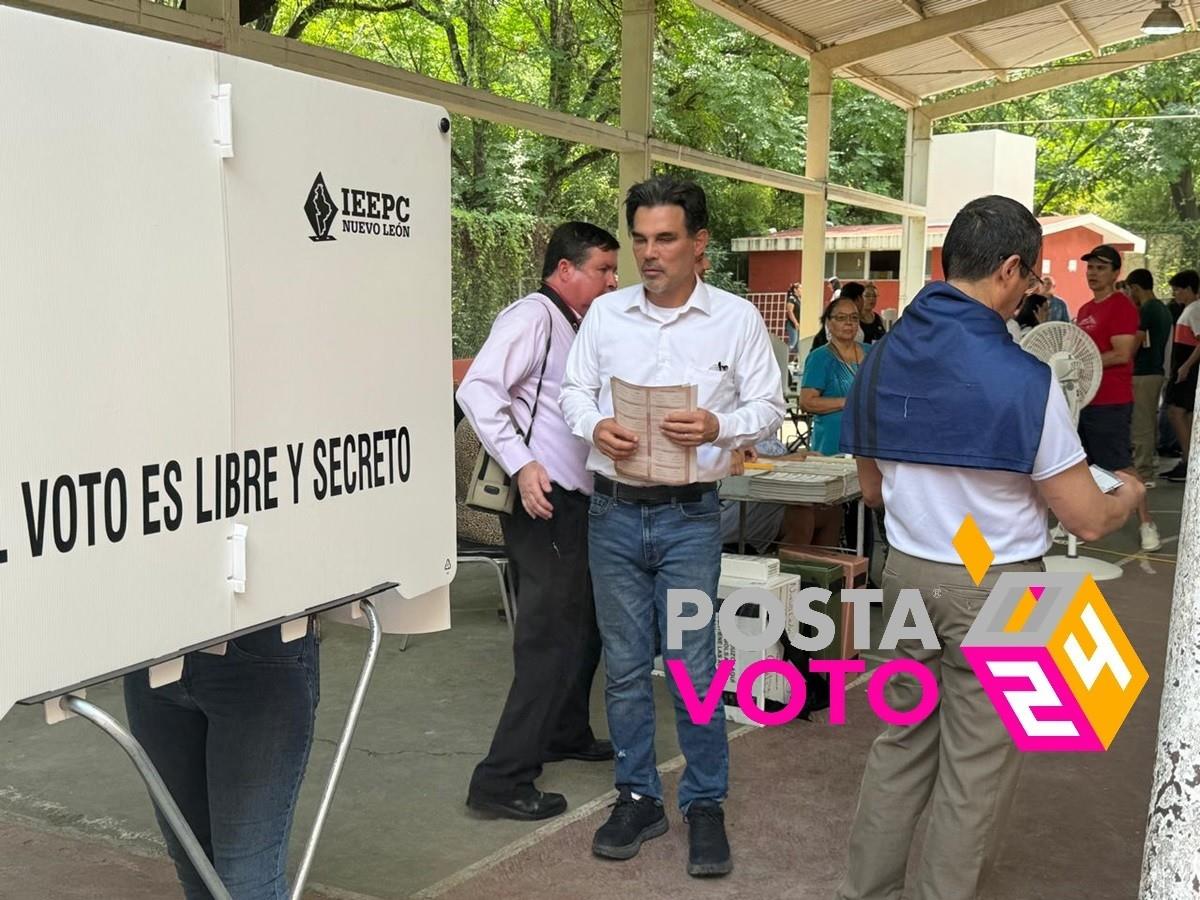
x=1150, y=485
x=1150, y=539
x=1059, y=535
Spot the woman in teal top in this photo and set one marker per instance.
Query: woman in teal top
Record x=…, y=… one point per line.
x=829, y=372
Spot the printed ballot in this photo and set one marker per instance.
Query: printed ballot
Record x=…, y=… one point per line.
x=642, y=410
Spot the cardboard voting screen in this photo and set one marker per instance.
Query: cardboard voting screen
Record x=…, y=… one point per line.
x=224, y=304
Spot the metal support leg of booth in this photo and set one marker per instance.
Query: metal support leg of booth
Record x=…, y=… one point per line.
x=158, y=791
x=343, y=748
x=170, y=811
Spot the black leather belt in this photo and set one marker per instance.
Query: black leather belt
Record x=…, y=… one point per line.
x=653, y=493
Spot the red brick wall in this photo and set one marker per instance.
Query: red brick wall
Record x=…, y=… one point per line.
x=773, y=271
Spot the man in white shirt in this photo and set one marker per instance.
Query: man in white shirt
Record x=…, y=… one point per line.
x=949, y=418
x=511, y=397
x=646, y=539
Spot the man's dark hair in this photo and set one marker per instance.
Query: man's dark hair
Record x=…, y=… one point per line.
x=1027, y=314
x=986, y=232
x=573, y=241
x=852, y=290
x=1141, y=278
x=1188, y=278
x=667, y=191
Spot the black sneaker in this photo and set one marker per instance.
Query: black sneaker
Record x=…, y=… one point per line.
x=708, y=848
x=1179, y=473
x=632, y=821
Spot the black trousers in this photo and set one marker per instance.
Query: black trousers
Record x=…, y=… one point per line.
x=556, y=645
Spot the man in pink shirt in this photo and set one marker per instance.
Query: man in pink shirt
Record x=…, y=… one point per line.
x=511, y=397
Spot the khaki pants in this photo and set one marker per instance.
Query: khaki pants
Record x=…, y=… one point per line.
x=960, y=761
x=1146, y=392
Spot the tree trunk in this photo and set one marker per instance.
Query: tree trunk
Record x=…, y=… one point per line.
x=1183, y=195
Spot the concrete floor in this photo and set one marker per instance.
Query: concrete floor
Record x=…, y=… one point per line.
x=75, y=821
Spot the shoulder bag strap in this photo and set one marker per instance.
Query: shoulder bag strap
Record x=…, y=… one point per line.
x=541, y=374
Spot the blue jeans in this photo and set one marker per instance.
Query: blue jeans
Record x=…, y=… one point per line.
x=231, y=741
x=637, y=553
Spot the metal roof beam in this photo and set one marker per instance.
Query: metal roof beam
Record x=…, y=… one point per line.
x=883, y=87
x=931, y=28
x=1083, y=33
x=700, y=161
x=914, y=7
x=749, y=18
x=763, y=25
x=1167, y=48
x=961, y=42
x=979, y=56
x=866, y=200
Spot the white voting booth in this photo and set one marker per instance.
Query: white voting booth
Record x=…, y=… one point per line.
x=224, y=353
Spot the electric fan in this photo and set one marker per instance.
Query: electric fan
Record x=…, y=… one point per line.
x=1074, y=361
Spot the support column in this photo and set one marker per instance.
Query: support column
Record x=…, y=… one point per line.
x=916, y=190
x=816, y=208
x=1169, y=861
x=637, y=101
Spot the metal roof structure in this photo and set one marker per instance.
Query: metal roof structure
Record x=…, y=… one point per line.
x=908, y=51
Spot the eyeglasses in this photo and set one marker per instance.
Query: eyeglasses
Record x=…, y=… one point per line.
x=1032, y=279
x=843, y=319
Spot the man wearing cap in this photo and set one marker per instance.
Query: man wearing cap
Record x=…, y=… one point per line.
x=1106, y=424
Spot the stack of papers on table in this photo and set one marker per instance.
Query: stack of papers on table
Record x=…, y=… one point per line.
x=820, y=480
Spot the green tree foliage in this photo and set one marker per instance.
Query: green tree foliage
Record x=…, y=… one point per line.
x=494, y=257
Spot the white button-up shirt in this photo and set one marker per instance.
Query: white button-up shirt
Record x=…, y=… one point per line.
x=499, y=390
x=716, y=341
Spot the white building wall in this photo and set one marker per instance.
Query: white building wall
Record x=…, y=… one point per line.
x=963, y=167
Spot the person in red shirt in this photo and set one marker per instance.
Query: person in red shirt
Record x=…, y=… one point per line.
x=1110, y=319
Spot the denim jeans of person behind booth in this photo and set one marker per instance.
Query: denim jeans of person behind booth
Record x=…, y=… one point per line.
x=638, y=553
x=231, y=740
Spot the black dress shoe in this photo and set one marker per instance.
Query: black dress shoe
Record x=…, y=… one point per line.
x=708, y=848
x=596, y=751
x=632, y=821
x=526, y=806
